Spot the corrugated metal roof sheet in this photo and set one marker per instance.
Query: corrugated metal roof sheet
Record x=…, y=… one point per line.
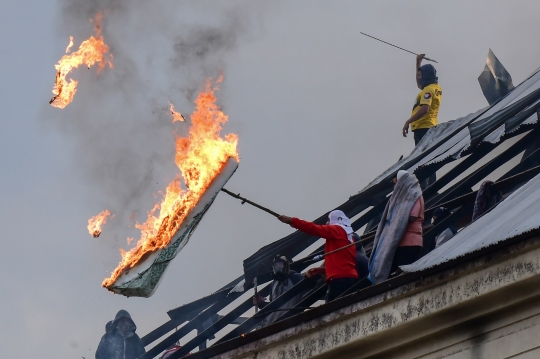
x=517, y=214
x=432, y=138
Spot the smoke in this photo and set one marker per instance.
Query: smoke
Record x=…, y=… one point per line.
x=120, y=120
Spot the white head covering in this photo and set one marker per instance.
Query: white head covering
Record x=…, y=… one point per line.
x=339, y=218
x=400, y=173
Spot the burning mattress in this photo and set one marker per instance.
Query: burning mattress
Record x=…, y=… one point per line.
x=143, y=279
x=206, y=162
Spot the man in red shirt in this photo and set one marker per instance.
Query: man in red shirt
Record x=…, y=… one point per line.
x=340, y=266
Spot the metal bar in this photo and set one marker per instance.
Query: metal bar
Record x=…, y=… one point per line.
x=466, y=183
x=161, y=331
x=457, y=170
x=198, y=305
x=316, y=294
x=425, y=58
x=245, y=200
x=269, y=308
x=232, y=317
x=192, y=325
x=503, y=185
x=524, y=165
x=216, y=327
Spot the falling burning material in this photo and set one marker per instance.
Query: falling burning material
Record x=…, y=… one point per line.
x=206, y=162
x=177, y=116
x=95, y=223
x=90, y=51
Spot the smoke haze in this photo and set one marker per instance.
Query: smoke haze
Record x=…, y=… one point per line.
x=318, y=108
x=120, y=117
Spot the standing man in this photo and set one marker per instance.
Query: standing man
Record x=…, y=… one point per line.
x=426, y=107
x=340, y=266
x=428, y=101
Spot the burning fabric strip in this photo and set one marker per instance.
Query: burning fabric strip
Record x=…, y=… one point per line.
x=206, y=162
x=95, y=223
x=90, y=51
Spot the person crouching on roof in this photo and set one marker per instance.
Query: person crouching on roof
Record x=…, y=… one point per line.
x=439, y=215
x=284, y=279
x=398, y=240
x=340, y=266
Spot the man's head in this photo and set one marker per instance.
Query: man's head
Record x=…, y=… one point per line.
x=280, y=267
x=426, y=75
x=398, y=175
x=123, y=324
x=439, y=214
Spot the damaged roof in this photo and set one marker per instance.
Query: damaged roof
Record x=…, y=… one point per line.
x=444, y=143
x=519, y=213
x=471, y=138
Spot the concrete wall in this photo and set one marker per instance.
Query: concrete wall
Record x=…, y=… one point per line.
x=488, y=308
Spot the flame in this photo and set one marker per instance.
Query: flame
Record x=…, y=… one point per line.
x=200, y=157
x=90, y=51
x=177, y=116
x=70, y=44
x=95, y=223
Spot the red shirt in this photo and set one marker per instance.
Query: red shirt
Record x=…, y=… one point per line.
x=341, y=264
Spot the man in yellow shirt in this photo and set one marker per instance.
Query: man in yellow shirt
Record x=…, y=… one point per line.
x=428, y=101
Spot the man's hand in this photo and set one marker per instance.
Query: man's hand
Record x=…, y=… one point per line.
x=405, y=129
x=314, y=272
x=258, y=300
x=419, y=59
x=285, y=219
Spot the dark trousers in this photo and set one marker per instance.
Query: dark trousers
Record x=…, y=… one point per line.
x=405, y=255
x=337, y=286
x=418, y=135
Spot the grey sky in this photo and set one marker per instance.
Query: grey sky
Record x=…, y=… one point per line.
x=318, y=109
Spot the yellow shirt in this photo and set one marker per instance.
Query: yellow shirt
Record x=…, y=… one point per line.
x=430, y=95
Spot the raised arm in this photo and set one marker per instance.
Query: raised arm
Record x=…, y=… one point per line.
x=323, y=231
x=419, y=59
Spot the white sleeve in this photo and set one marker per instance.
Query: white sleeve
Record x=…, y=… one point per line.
x=443, y=237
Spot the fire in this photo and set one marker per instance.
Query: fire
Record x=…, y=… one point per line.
x=200, y=157
x=177, y=116
x=90, y=51
x=95, y=223
x=70, y=45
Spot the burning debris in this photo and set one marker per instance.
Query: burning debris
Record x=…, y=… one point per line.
x=90, y=51
x=95, y=223
x=177, y=116
x=206, y=162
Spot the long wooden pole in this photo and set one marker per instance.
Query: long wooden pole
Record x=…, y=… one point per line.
x=256, y=294
x=401, y=48
x=245, y=200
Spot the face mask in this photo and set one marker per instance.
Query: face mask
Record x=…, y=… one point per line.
x=125, y=328
x=278, y=268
